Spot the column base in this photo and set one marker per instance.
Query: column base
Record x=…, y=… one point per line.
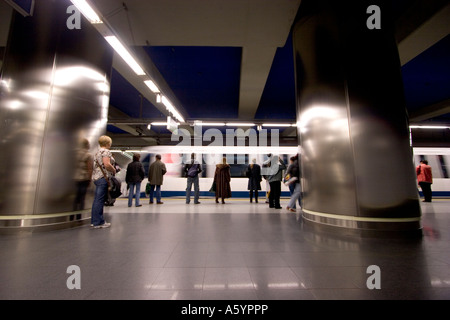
x=364, y=226
x=13, y=224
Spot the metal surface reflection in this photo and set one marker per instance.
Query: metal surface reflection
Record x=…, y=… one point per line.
x=54, y=92
x=356, y=159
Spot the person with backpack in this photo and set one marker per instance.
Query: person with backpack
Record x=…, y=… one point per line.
x=191, y=172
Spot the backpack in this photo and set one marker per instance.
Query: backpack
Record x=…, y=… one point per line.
x=193, y=171
x=114, y=188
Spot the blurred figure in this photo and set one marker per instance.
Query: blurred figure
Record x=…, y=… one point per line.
x=222, y=178
x=191, y=171
x=83, y=175
x=425, y=179
x=275, y=166
x=156, y=171
x=103, y=169
x=134, y=176
x=254, y=179
x=292, y=178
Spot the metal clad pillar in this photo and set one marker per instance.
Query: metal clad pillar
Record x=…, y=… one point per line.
x=356, y=159
x=54, y=92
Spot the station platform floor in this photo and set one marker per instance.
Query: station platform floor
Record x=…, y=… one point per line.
x=233, y=251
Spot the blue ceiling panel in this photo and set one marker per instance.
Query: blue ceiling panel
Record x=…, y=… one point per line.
x=114, y=129
x=128, y=100
x=278, y=98
x=426, y=78
x=204, y=79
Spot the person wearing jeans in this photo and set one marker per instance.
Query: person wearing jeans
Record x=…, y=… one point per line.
x=156, y=172
x=191, y=171
x=101, y=188
x=103, y=169
x=135, y=175
x=155, y=191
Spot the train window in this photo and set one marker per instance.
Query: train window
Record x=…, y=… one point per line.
x=444, y=166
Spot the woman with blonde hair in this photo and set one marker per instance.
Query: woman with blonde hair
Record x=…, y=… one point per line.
x=222, y=177
x=103, y=166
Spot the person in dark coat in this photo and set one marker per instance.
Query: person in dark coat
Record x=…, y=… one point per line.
x=254, y=179
x=222, y=177
x=135, y=175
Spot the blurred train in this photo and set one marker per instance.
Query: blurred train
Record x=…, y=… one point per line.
x=239, y=157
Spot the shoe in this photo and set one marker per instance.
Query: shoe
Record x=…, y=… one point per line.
x=160, y=202
x=105, y=225
x=197, y=202
x=278, y=207
x=217, y=201
x=139, y=205
x=151, y=202
x=291, y=209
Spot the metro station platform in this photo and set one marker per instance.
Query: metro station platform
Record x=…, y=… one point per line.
x=233, y=251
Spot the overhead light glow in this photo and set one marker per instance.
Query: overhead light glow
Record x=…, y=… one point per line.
x=217, y=124
x=87, y=11
x=277, y=125
x=126, y=56
x=237, y=124
x=428, y=127
x=171, y=108
x=152, y=86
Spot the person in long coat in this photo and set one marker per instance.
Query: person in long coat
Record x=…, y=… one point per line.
x=156, y=172
x=222, y=177
x=254, y=179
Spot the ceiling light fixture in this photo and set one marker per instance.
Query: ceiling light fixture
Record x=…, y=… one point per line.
x=87, y=11
x=428, y=127
x=278, y=125
x=126, y=56
x=171, y=108
x=212, y=124
x=152, y=86
x=237, y=124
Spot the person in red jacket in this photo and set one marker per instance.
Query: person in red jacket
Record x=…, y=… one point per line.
x=425, y=179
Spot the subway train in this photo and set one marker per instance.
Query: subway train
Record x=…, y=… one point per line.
x=239, y=157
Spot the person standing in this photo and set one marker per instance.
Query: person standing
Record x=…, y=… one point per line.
x=134, y=176
x=83, y=175
x=274, y=166
x=156, y=171
x=293, y=182
x=254, y=179
x=425, y=179
x=103, y=170
x=192, y=171
x=222, y=178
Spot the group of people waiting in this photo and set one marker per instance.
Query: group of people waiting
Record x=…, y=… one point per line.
x=272, y=171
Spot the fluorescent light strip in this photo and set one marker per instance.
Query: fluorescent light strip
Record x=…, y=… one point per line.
x=278, y=125
x=152, y=86
x=157, y=124
x=428, y=127
x=171, y=108
x=237, y=124
x=219, y=124
x=87, y=11
x=126, y=56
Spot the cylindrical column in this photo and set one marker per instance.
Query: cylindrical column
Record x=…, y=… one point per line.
x=356, y=158
x=54, y=92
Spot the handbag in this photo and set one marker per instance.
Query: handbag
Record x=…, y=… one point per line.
x=114, y=184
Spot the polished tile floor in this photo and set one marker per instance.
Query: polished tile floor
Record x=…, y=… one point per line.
x=232, y=251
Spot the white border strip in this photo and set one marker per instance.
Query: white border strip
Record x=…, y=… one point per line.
x=363, y=219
